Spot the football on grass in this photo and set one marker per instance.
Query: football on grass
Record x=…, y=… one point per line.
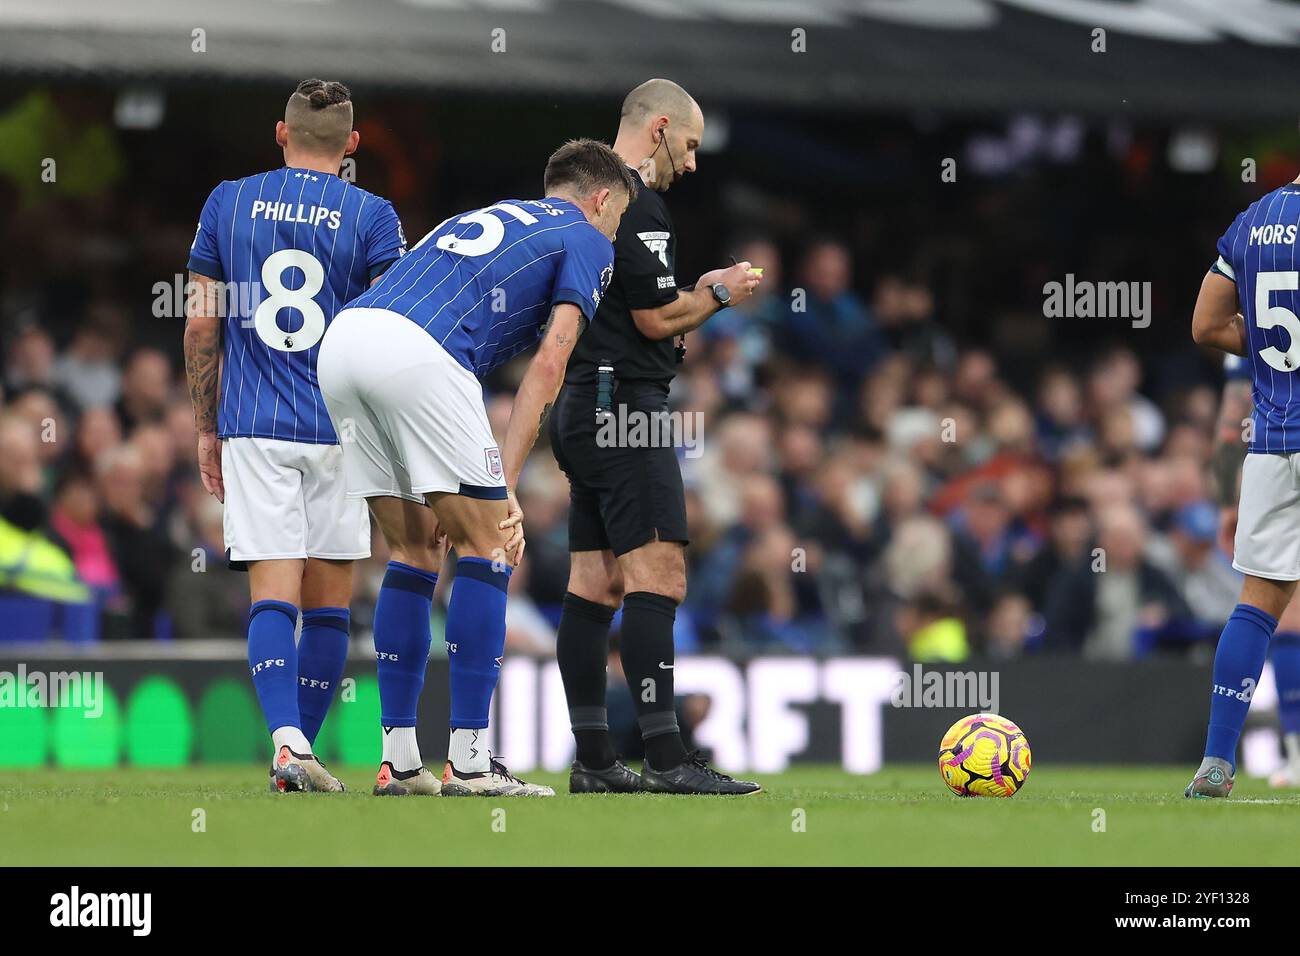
x=984, y=755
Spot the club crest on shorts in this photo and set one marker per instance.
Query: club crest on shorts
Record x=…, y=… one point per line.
x=493, y=461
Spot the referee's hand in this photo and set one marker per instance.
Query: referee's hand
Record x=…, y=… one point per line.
x=741, y=280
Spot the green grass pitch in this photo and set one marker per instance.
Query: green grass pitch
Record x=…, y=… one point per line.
x=901, y=816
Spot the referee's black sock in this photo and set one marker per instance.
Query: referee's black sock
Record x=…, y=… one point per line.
x=647, y=644
x=582, y=650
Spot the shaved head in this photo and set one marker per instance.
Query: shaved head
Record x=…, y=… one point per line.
x=660, y=129
x=657, y=98
x=319, y=117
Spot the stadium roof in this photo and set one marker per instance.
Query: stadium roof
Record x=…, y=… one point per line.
x=1175, y=58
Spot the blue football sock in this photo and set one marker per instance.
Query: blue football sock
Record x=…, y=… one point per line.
x=1286, y=669
x=273, y=660
x=1238, y=662
x=476, y=638
x=322, y=652
x=402, y=638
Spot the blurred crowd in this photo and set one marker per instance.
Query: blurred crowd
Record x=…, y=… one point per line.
x=867, y=484
x=873, y=475
x=862, y=482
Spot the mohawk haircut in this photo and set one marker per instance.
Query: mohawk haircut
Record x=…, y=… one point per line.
x=586, y=165
x=319, y=116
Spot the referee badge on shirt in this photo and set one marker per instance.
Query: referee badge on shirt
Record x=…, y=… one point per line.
x=493, y=461
x=656, y=242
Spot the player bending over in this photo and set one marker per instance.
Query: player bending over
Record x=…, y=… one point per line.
x=1247, y=306
x=1229, y=450
x=403, y=363
x=276, y=256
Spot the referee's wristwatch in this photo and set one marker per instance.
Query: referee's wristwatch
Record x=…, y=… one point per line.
x=721, y=294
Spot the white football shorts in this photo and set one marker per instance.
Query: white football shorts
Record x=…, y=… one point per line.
x=287, y=499
x=1268, y=518
x=410, y=417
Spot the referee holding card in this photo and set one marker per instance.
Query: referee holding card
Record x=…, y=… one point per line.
x=627, y=519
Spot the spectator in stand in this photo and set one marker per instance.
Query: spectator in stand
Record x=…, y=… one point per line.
x=737, y=447
x=205, y=600
x=740, y=338
x=1014, y=626
x=29, y=361
x=983, y=525
x=20, y=472
x=88, y=372
x=1203, y=575
x=1061, y=425
x=975, y=383
x=1067, y=546
x=142, y=553
x=98, y=433
x=146, y=388
x=1101, y=605
x=38, y=407
x=31, y=564
x=831, y=326
x=1113, y=387
x=905, y=311
x=760, y=508
x=75, y=519
x=774, y=605
x=883, y=393
x=932, y=629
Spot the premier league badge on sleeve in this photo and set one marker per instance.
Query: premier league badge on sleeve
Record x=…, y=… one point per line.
x=494, y=462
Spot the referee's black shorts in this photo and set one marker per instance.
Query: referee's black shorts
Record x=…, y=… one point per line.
x=619, y=498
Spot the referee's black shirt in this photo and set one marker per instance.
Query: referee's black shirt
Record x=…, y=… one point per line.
x=644, y=255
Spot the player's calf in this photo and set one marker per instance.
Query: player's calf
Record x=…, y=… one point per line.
x=273, y=663
x=475, y=633
x=1238, y=663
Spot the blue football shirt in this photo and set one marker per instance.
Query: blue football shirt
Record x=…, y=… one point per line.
x=483, y=284
x=1258, y=253
x=292, y=246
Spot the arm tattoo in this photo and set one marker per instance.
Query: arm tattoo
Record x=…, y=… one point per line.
x=203, y=357
x=562, y=338
x=202, y=367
